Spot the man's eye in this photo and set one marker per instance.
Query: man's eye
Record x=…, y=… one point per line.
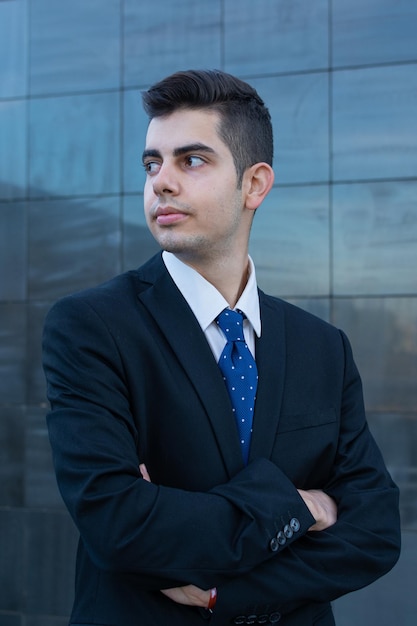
x=151, y=167
x=194, y=161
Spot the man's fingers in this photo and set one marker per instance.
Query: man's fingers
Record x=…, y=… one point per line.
x=321, y=506
x=144, y=472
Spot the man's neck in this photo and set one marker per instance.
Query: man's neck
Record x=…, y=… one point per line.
x=228, y=277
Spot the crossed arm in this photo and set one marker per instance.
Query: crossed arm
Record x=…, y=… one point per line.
x=360, y=547
x=322, y=508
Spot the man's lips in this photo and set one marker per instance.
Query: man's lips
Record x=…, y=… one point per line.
x=168, y=215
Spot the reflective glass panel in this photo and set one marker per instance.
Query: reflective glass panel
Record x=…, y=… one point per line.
x=13, y=48
x=383, y=332
x=299, y=108
x=290, y=241
x=12, y=457
x=73, y=243
x=396, y=434
x=176, y=36
x=374, y=31
x=13, y=149
x=13, y=252
x=375, y=238
x=270, y=36
x=134, y=133
x=74, y=45
x=375, y=123
x=74, y=145
x=12, y=352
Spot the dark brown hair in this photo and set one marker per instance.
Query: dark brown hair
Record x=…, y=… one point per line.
x=245, y=124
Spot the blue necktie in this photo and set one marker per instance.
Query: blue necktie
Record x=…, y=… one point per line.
x=240, y=374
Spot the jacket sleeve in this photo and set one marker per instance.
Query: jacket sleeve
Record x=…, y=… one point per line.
x=164, y=536
x=363, y=545
x=321, y=566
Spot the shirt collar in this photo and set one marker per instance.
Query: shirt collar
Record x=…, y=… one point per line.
x=205, y=300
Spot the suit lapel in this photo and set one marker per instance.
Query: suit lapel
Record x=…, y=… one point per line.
x=270, y=360
x=178, y=324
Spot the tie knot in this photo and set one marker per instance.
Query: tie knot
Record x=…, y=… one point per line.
x=231, y=323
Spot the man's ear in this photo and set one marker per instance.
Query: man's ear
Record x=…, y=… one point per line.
x=257, y=182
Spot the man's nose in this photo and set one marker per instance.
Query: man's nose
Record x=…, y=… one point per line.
x=165, y=181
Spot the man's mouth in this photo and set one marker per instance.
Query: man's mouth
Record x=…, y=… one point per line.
x=167, y=215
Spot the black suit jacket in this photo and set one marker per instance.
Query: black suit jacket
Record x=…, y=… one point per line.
x=131, y=378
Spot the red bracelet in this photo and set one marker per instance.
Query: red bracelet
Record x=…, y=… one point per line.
x=213, y=598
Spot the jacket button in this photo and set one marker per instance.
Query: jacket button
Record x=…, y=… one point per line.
x=295, y=525
x=273, y=544
x=274, y=617
x=288, y=531
x=281, y=538
x=240, y=619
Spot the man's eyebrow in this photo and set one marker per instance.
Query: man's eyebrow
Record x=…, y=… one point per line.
x=191, y=147
x=151, y=153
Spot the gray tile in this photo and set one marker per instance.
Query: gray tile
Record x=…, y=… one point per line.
x=406, y=479
x=138, y=243
x=12, y=353
x=290, y=241
x=299, y=111
x=36, y=384
x=365, y=31
x=12, y=456
x=40, y=483
x=375, y=123
x=50, y=567
x=13, y=251
x=12, y=550
x=177, y=36
x=73, y=243
x=396, y=434
x=74, y=45
x=375, y=238
x=74, y=145
x=134, y=135
x=13, y=179
x=390, y=600
x=383, y=333
x=13, y=49
x=271, y=36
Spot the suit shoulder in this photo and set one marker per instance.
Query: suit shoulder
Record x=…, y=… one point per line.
x=117, y=293
x=299, y=318
x=306, y=331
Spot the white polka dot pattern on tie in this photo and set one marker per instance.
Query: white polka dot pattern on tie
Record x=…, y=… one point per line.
x=240, y=374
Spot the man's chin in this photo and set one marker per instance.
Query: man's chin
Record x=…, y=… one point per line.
x=192, y=245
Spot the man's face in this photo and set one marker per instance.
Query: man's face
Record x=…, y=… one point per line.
x=192, y=204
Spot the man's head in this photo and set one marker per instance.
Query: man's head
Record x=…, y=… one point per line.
x=245, y=125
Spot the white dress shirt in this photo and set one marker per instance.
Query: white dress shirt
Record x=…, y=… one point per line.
x=207, y=302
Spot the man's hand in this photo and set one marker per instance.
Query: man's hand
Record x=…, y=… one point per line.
x=321, y=506
x=189, y=595
x=144, y=472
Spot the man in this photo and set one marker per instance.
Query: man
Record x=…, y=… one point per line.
x=182, y=516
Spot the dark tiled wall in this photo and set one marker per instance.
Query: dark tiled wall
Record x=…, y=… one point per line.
x=337, y=235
